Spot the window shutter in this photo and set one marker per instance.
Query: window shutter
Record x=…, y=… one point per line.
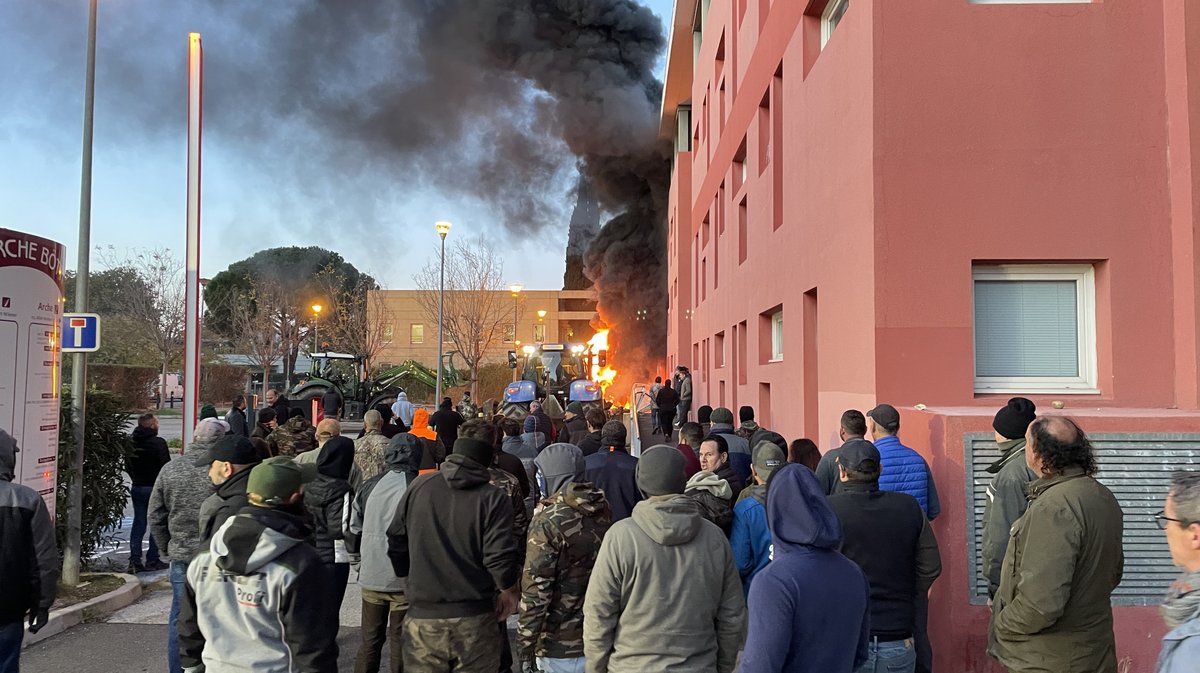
x=1137, y=468
x=1026, y=328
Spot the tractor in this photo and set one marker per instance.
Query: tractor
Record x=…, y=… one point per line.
x=559, y=370
x=345, y=373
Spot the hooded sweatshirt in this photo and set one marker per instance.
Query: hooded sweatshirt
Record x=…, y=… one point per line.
x=564, y=540
x=28, y=552
x=328, y=499
x=179, y=493
x=150, y=453
x=810, y=603
x=434, y=451
x=643, y=610
x=750, y=536
x=714, y=496
x=404, y=410
x=374, y=511
x=256, y=600
x=452, y=537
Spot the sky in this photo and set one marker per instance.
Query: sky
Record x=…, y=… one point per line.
x=268, y=179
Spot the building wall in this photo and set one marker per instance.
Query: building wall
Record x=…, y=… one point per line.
x=925, y=137
x=406, y=312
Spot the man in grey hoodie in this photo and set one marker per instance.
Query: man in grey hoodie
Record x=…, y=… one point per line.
x=174, y=516
x=642, y=612
x=258, y=598
x=384, y=602
x=28, y=558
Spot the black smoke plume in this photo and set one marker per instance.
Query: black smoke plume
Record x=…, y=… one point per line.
x=496, y=101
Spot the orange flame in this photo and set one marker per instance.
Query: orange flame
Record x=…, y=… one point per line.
x=603, y=376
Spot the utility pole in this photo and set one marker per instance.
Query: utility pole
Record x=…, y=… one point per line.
x=72, y=561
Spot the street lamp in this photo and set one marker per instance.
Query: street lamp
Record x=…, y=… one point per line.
x=316, y=309
x=542, y=314
x=443, y=228
x=515, y=288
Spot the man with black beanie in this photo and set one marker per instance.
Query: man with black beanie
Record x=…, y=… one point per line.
x=642, y=611
x=453, y=538
x=1007, y=494
x=612, y=470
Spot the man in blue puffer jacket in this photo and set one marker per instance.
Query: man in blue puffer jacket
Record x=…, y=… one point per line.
x=904, y=470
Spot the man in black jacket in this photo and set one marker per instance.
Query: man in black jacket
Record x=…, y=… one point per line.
x=279, y=402
x=149, y=455
x=28, y=558
x=445, y=421
x=899, y=565
x=236, y=418
x=452, y=537
x=613, y=471
x=232, y=459
x=596, y=418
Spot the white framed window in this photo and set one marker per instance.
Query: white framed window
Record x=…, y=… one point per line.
x=389, y=330
x=416, y=334
x=1035, y=328
x=777, y=336
x=539, y=333
x=831, y=17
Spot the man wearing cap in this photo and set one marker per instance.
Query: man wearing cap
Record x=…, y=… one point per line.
x=739, y=447
x=1008, y=492
x=564, y=540
x=256, y=599
x=853, y=425
x=750, y=537
x=643, y=611
x=613, y=470
x=900, y=565
x=905, y=471
x=229, y=471
x=574, y=423
x=452, y=536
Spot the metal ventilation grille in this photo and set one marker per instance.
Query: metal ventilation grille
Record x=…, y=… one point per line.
x=1137, y=467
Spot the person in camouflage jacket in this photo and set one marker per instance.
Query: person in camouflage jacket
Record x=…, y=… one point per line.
x=369, y=450
x=564, y=540
x=294, y=437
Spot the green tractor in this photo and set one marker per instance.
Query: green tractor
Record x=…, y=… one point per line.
x=344, y=373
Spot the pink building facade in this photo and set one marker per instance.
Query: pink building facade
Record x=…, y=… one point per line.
x=941, y=204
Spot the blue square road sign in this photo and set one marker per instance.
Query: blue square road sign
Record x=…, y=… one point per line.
x=80, y=333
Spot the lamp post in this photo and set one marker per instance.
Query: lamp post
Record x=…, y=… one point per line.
x=316, y=309
x=515, y=288
x=72, y=559
x=443, y=228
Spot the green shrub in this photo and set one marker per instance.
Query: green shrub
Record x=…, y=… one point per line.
x=104, y=492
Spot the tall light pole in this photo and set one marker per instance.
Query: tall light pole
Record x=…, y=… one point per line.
x=515, y=288
x=443, y=228
x=72, y=551
x=316, y=309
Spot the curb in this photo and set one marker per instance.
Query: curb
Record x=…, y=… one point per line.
x=64, y=618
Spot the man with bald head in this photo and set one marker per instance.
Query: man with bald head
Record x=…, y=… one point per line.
x=1052, y=611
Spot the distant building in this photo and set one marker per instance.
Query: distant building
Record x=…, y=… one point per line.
x=945, y=203
x=411, y=335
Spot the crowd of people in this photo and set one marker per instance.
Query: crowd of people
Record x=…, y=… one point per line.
x=727, y=549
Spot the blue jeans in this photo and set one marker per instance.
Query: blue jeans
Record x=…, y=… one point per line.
x=11, y=636
x=560, y=665
x=141, y=502
x=893, y=656
x=178, y=584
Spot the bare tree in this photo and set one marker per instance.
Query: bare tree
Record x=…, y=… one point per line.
x=160, y=311
x=255, y=327
x=477, y=310
x=359, y=319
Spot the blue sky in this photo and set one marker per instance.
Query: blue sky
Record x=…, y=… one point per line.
x=255, y=195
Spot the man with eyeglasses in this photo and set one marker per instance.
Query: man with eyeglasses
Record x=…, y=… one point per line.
x=1180, y=519
x=1052, y=611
